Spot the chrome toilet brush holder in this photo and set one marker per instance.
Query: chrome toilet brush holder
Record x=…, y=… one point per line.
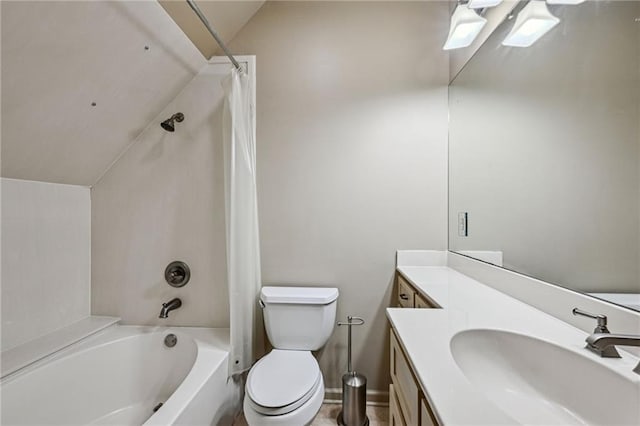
x=354, y=387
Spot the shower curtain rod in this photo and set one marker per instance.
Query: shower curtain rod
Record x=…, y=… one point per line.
x=204, y=20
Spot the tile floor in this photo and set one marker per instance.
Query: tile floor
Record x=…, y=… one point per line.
x=378, y=416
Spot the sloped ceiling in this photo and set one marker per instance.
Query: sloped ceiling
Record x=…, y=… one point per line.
x=227, y=17
x=60, y=57
x=129, y=58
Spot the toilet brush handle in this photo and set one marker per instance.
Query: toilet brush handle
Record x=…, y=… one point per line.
x=349, y=323
x=349, y=347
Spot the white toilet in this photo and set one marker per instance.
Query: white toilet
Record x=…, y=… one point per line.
x=285, y=387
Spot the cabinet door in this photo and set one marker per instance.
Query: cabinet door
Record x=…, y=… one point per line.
x=422, y=302
x=406, y=293
x=426, y=415
x=395, y=416
x=405, y=386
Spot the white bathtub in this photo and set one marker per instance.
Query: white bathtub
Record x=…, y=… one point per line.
x=119, y=375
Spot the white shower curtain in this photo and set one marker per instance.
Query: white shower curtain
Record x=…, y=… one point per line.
x=243, y=245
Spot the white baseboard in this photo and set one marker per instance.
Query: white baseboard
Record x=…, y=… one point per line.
x=374, y=397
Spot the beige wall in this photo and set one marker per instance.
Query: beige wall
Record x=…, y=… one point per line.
x=163, y=201
x=544, y=150
x=352, y=146
x=46, y=258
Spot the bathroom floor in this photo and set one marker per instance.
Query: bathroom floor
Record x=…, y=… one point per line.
x=378, y=416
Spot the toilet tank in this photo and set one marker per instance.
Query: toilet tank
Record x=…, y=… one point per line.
x=299, y=318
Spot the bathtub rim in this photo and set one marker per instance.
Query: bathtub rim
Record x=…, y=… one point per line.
x=15, y=359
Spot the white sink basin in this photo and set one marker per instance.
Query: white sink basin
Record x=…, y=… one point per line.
x=539, y=383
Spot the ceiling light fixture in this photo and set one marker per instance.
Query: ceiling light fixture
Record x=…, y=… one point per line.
x=465, y=27
x=533, y=21
x=481, y=4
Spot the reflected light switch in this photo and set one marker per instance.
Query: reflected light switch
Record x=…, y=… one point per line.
x=462, y=224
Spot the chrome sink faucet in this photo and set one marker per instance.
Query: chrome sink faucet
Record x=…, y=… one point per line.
x=169, y=306
x=603, y=343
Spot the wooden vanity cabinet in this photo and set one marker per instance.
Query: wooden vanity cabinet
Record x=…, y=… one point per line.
x=395, y=418
x=407, y=403
x=410, y=297
x=406, y=293
x=422, y=303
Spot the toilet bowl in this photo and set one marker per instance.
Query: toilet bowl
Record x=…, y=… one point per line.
x=285, y=387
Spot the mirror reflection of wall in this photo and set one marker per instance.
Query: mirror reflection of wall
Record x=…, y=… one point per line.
x=544, y=151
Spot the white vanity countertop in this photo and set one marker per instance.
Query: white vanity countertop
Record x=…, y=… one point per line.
x=425, y=336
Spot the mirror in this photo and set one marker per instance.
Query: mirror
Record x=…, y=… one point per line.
x=544, y=152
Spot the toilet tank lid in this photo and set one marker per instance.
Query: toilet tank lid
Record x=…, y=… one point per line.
x=299, y=295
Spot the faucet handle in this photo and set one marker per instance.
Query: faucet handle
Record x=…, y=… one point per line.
x=602, y=320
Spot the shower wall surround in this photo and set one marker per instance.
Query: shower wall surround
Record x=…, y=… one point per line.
x=163, y=200
x=352, y=153
x=46, y=258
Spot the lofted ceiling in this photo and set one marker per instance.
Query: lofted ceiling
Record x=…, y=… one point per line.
x=227, y=17
x=81, y=80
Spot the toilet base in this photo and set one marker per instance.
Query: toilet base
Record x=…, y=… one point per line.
x=304, y=415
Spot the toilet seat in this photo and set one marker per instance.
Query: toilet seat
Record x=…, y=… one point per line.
x=300, y=416
x=282, y=381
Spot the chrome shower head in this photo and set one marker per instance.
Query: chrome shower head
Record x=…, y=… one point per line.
x=168, y=123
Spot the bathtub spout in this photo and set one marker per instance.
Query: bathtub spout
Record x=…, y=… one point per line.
x=170, y=306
